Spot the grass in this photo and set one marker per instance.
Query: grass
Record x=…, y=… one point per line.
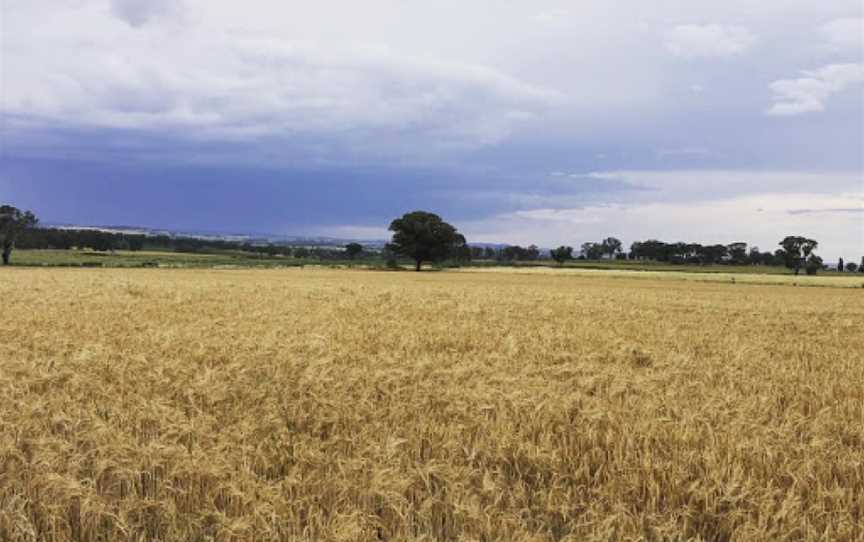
x=633, y=265
x=825, y=280
x=128, y=259
x=323, y=404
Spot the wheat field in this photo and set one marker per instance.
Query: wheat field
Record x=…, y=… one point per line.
x=315, y=404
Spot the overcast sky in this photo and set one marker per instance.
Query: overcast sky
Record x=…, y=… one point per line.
x=542, y=122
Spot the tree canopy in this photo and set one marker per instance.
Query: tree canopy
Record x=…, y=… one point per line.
x=796, y=251
x=13, y=222
x=352, y=250
x=611, y=246
x=423, y=237
x=562, y=254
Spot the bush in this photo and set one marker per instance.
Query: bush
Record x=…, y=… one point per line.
x=814, y=264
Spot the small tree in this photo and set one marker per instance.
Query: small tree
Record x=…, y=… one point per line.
x=851, y=267
x=389, y=258
x=13, y=222
x=352, y=250
x=423, y=236
x=561, y=254
x=840, y=265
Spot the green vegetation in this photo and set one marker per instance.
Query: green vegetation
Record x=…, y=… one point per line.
x=424, y=237
x=125, y=258
x=13, y=222
x=419, y=238
x=165, y=259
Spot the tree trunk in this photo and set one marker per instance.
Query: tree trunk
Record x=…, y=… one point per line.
x=417, y=267
x=7, y=252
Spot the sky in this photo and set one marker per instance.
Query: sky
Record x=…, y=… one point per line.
x=545, y=122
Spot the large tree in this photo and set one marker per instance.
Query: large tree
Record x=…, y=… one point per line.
x=424, y=237
x=13, y=222
x=796, y=250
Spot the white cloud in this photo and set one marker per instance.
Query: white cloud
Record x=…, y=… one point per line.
x=809, y=93
x=696, y=184
x=843, y=34
x=709, y=40
x=381, y=74
x=236, y=84
x=757, y=206
x=761, y=219
x=686, y=152
x=551, y=17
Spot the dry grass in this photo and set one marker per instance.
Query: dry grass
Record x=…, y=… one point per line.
x=835, y=280
x=340, y=405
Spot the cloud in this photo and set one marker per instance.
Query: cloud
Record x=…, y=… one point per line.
x=382, y=81
x=241, y=87
x=686, y=152
x=809, y=93
x=761, y=219
x=550, y=17
x=844, y=34
x=468, y=122
x=707, y=184
x=709, y=41
x=138, y=12
x=831, y=210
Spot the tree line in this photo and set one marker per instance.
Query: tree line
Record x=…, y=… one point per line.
x=104, y=241
x=422, y=237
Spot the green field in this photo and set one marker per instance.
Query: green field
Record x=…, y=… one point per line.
x=216, y=259
x=121, y=258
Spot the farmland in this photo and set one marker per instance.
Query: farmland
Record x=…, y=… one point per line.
x=241, y=259
x=330, y=404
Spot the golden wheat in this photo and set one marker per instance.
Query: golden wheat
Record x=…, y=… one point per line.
x=358, y=405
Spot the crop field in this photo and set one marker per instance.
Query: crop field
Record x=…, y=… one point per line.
x=356, y=405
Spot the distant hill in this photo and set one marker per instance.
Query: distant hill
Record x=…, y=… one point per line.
x=252, y=238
